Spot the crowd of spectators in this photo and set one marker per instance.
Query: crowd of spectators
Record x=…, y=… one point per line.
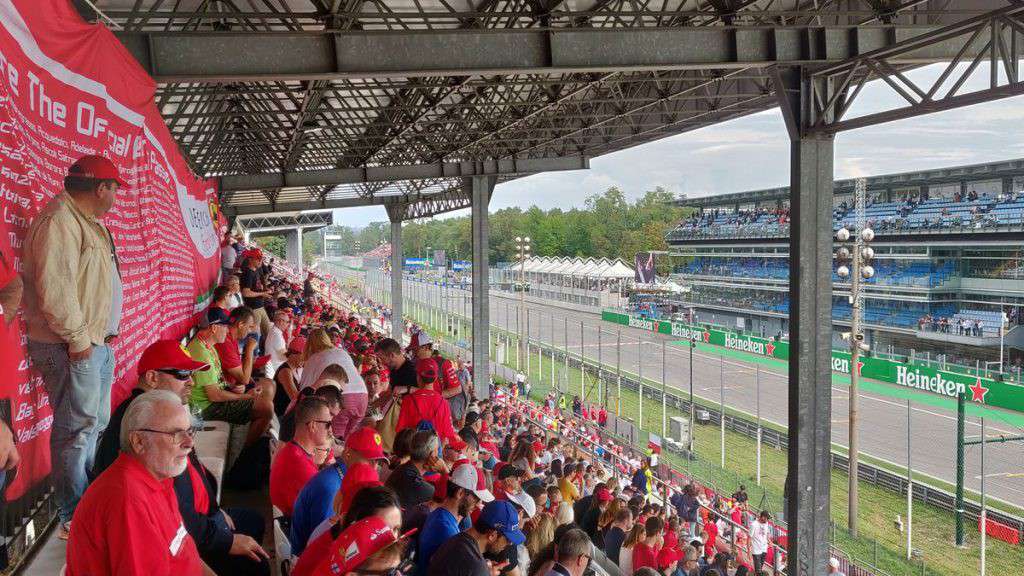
x=384, y=459
x=947, y=325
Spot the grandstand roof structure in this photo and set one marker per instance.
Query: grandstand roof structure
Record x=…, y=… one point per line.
x=305, y=104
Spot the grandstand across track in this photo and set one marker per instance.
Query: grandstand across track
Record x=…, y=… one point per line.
x=884, y=419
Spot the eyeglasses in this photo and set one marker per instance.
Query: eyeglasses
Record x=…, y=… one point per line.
x=176, y=373
x=326, y=423
x=178, y=436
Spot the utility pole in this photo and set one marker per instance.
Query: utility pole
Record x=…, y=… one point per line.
x=859, y=256
x=523, y=246
x=962, y=442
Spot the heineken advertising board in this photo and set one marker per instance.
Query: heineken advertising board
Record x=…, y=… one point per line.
x=979, y=390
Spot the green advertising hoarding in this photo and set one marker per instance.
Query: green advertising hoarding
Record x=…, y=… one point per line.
x=950, y=384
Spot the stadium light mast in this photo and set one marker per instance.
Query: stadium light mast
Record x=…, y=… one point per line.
x=853, y=247
x=523, y=247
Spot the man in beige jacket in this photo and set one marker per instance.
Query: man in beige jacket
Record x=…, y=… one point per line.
x=73, y=302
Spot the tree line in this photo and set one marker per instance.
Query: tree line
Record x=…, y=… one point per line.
x=607, y=226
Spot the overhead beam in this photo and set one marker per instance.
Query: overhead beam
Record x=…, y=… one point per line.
x=252, y=56
x=335, y=176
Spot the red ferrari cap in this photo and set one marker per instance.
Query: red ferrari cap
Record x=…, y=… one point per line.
x=358, y=543
x=97, y=168
x=367, y=443
x=426, y=369
x=168, y=355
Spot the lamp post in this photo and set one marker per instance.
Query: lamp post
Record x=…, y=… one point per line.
x=523, y=248
x=853, y=248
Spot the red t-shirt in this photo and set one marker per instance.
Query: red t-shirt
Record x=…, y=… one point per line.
x=128, y=523
x=449, y=379
x=709, y=547
x=644, y=555
x=315, y=553
x=291, y=469
x=426, y=404
x=229, y=357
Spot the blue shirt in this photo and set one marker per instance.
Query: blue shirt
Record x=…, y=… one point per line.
x=314, y=505
x=439, y=526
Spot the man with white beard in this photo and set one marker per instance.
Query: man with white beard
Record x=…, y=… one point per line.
x=128, y=520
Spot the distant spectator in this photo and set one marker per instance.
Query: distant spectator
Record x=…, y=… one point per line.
x=73, y=305
x=300, y=459
x=833, y=567
x=234, y=286
x=760, y=535
x=228, y=255
x=403, y=370
x=211, y=394
x=128, y=520
x=276, y=345
x=254, y=293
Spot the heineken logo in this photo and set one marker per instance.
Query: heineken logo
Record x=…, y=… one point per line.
x=746, y=345
x=932, y=383
x=684, y=331
x=635, y=322
x=842, y=365
x=978, y=392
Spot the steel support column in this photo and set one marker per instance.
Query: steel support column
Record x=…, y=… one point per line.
x=293, y=247
x=479, y=188
x=397, y=326
x=810, y=328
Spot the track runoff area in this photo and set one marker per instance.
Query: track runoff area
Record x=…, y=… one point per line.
x=883, y=407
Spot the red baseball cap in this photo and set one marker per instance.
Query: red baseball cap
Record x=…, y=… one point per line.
x=168, y=355
x=426, y=369
x=97, y=168
x=359, y=542
x=457, y=444
x=359, y=476
x=367, y=443
x=297, y=345
x=603, y=495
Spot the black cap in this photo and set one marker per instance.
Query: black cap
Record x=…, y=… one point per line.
x=216, y=316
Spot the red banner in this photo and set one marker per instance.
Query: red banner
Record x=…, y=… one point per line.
x=68, y=89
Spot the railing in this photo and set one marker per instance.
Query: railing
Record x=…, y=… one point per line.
x=782, y=231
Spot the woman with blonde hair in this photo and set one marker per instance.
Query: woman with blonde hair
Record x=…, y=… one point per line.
x=604, y=521
x=542, y=533
x=320, y=353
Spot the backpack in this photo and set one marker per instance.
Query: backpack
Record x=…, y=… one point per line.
x=422, y=423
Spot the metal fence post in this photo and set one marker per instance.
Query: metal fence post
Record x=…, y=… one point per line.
x=664, y=401
x=618, y=373
x=910, y=484
x=603, y=400
x=583, y=367
x=721, y=391
x=640, y=382
x=757, y=402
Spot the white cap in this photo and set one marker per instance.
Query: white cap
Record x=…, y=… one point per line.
x=465, y=476
x=524, y=501
x=423, y=339
x=833, y=562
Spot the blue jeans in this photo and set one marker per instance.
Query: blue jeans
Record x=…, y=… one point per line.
x=80, y=397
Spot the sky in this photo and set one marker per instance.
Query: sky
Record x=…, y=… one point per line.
x=753, y=152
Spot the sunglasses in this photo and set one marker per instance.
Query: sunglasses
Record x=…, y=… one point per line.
x=176, y=373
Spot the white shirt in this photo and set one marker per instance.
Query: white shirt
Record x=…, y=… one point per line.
x=228, y=256
x=274, y=345
x=759, y=533
x=316, y=364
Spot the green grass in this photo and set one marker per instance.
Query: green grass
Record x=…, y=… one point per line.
x=879, y=544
